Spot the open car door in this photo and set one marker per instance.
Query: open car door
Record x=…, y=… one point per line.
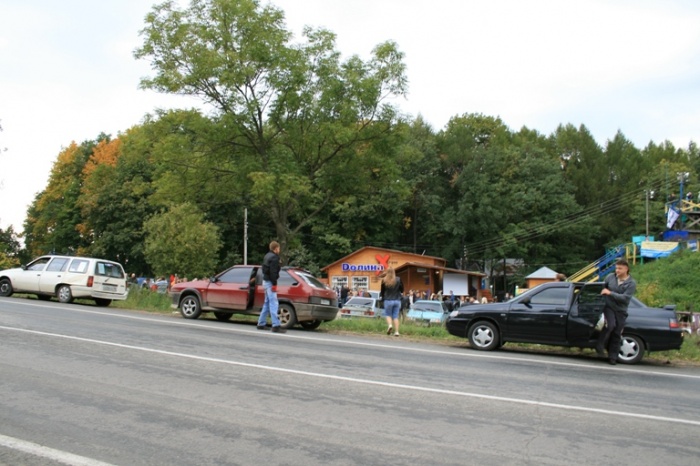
x=585, y=313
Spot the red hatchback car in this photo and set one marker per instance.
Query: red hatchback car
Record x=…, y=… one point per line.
x=303, y=298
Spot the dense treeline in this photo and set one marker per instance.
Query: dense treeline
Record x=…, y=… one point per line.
x=311, y=147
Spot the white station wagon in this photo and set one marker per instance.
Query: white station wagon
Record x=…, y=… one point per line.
x=67, y=278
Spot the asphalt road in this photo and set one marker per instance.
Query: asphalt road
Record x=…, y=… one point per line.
x=88, y=385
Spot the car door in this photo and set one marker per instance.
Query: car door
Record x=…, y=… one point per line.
x=53, y=274
x=584, y=315
x=540, y=316
x=28, y=278
x=231, y=289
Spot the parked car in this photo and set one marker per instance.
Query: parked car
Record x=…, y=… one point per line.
x=67, y=278
x=427, y=311
x=689, y=321
x=358, y=306
x=564, y=314
x=303, y=298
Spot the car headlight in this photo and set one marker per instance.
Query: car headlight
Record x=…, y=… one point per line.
x=454, y=313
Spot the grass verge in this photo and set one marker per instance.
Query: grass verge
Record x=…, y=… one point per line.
x=146, y=300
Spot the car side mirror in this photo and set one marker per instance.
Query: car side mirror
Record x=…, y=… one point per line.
x=670, y=307
x=525, y=301
x=23, y=267
x=212, y=279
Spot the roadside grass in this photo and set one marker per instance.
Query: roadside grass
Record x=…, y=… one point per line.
x=146, y=300
x=378, y=326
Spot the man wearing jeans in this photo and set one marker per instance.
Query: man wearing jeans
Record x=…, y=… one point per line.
x=271, y=273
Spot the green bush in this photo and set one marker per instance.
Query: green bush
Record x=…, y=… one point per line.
x=671, y=280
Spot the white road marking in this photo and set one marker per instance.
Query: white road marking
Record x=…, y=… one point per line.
x=364, y=381
x=467, y=354
x=49, y=453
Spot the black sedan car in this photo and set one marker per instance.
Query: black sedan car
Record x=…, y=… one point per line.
x=564, y=314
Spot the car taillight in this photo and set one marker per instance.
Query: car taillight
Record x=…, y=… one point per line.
x=90, y=280
x=673, y=323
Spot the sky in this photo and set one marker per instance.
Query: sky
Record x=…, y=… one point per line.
x=67, y=71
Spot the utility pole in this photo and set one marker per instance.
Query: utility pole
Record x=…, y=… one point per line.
x=245, y=236
x=647, y=198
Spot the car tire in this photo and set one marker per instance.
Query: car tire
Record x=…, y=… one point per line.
x=223, y=316
x=5, y=287
x=102, y=302
x=310, y=324
x=631, y=349
x=287, y=316
x=483, y=336
x=64, y=294
x=190, y=307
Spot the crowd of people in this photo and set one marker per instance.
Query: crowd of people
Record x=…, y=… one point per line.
x=160, y=284
x=410, y=296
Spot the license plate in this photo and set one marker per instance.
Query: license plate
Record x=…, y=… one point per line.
x=108, y=287
x=326, y=302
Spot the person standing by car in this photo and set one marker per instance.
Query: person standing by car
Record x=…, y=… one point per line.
x=618, y=291
x=344, y=290
x=391, y=294
x=271, y=273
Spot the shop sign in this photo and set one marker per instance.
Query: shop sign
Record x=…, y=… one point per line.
x=383, y=264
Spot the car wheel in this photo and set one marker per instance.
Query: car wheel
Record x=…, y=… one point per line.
x=287, y=316
x=5, y=287
x=483, y=336
x=310, y=324
x=223, y=316
x=64, y=294
x=631, y=349
x=190, y=308
x=102, y=302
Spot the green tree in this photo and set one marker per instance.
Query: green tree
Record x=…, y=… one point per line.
x=509, y=195
x=115, y=198
x=53, y=216
x=9, y=248
x=298, y=118
x=180, y=241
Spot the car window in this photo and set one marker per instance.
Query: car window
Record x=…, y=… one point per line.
x=361, y=301
x=39, y=264
x=435, y=307
x=286, y=279
x=551, y=296
x=590, y=294
x=79, y=266
x=58, y=264
x=310, y=279
x=108, y=269
x=236, y=275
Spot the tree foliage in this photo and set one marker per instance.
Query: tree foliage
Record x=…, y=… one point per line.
x=297, y=117
x=10, y=248
x=180, y=241
x=301, y=145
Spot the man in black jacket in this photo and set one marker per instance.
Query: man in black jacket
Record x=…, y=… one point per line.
x=271, y=273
